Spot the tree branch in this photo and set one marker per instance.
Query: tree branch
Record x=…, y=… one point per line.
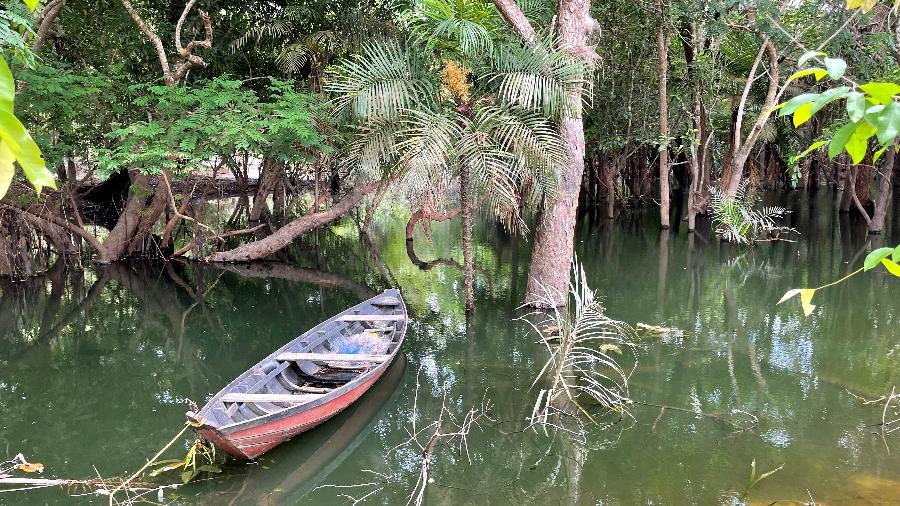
x=515, y=17
x=151, y=35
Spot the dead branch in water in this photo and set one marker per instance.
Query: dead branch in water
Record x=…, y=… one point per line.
x=135, y=492
x=448, y=429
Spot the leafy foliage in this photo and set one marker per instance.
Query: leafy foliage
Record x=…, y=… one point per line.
x=871, y=108
x=16, y=144
x=219, y=118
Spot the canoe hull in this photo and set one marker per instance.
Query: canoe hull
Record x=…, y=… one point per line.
x=251, y=442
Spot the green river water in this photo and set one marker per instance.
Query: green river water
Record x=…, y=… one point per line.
x=96, y=364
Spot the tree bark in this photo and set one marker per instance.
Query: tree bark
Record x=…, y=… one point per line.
x=116, y=244
x=516, y=19
x=270, y=172
x=885, y=192
x=48, y=15
x=662, y=48
x=741, y=150
x=468, y=266
x=285, y=235
x=555, y=232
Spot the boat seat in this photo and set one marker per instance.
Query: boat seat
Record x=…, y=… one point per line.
x=279, y=398
x=372, y=318
x=331, y=357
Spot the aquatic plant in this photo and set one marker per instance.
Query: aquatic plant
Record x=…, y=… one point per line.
x=754, y=478
x=738, y=219
x=580, y=340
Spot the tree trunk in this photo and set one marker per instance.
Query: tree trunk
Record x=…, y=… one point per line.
x=741, y=149
x=116, y=244
x=285, y=235
x=662, y=47
x=468, y=266
x=48, y=15
x=885, y=191
x=553, y=250
x=270, y=173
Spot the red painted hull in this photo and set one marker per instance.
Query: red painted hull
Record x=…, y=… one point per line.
x=251, y=442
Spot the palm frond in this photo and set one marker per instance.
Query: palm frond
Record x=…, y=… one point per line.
x=539, y=77
x=382, y=80
x=580, y=340
x=736, y=219
x=467, y=25
x=293, y=57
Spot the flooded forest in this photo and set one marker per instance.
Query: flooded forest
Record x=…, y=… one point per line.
x=466, y=252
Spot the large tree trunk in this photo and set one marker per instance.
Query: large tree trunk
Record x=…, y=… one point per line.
x=553, y=250
x=885, y=191
x=662, y=47
x=285, y=235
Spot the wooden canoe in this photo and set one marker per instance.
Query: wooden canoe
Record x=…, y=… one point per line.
x=306, y=381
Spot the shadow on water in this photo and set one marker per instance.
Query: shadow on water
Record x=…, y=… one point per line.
x=95, y=365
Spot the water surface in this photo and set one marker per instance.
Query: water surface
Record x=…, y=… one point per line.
x=96, y=366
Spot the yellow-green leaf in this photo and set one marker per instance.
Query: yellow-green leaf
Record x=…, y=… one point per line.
x=789, y=294
x=31, y=4
x=802, y=114
x=7, y=168
x=7, y=87
x=806, y=296
x=27, y=153
x=883, y=93
x=874, y=257
x=807, y=72
x=891, y=266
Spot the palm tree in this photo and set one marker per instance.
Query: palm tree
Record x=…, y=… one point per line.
x=458, y=103
x=304, y=37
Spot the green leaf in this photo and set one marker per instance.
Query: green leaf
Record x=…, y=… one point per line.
x=836, y=146
x=27, y=153
x=881, y=92
x=7, y=87
x=856, y=106
x=896, y=256
x=888, y=124
x=859, y=142
x=802, y=114
x=7, y=168
x=791, y=105
x=877, y=154
x=31, y=4
x=873, y=258
x=807, y=55
x=828, y=97
x=891, y=267
x=812, y=147
x=836, y=68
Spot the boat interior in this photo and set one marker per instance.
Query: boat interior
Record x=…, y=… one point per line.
x=313, y=365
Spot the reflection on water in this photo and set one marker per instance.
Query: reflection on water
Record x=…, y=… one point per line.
x=95, y=366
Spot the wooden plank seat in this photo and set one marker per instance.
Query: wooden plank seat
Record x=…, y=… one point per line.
x=276, y=398
x=372, y=318
x=331, y=357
